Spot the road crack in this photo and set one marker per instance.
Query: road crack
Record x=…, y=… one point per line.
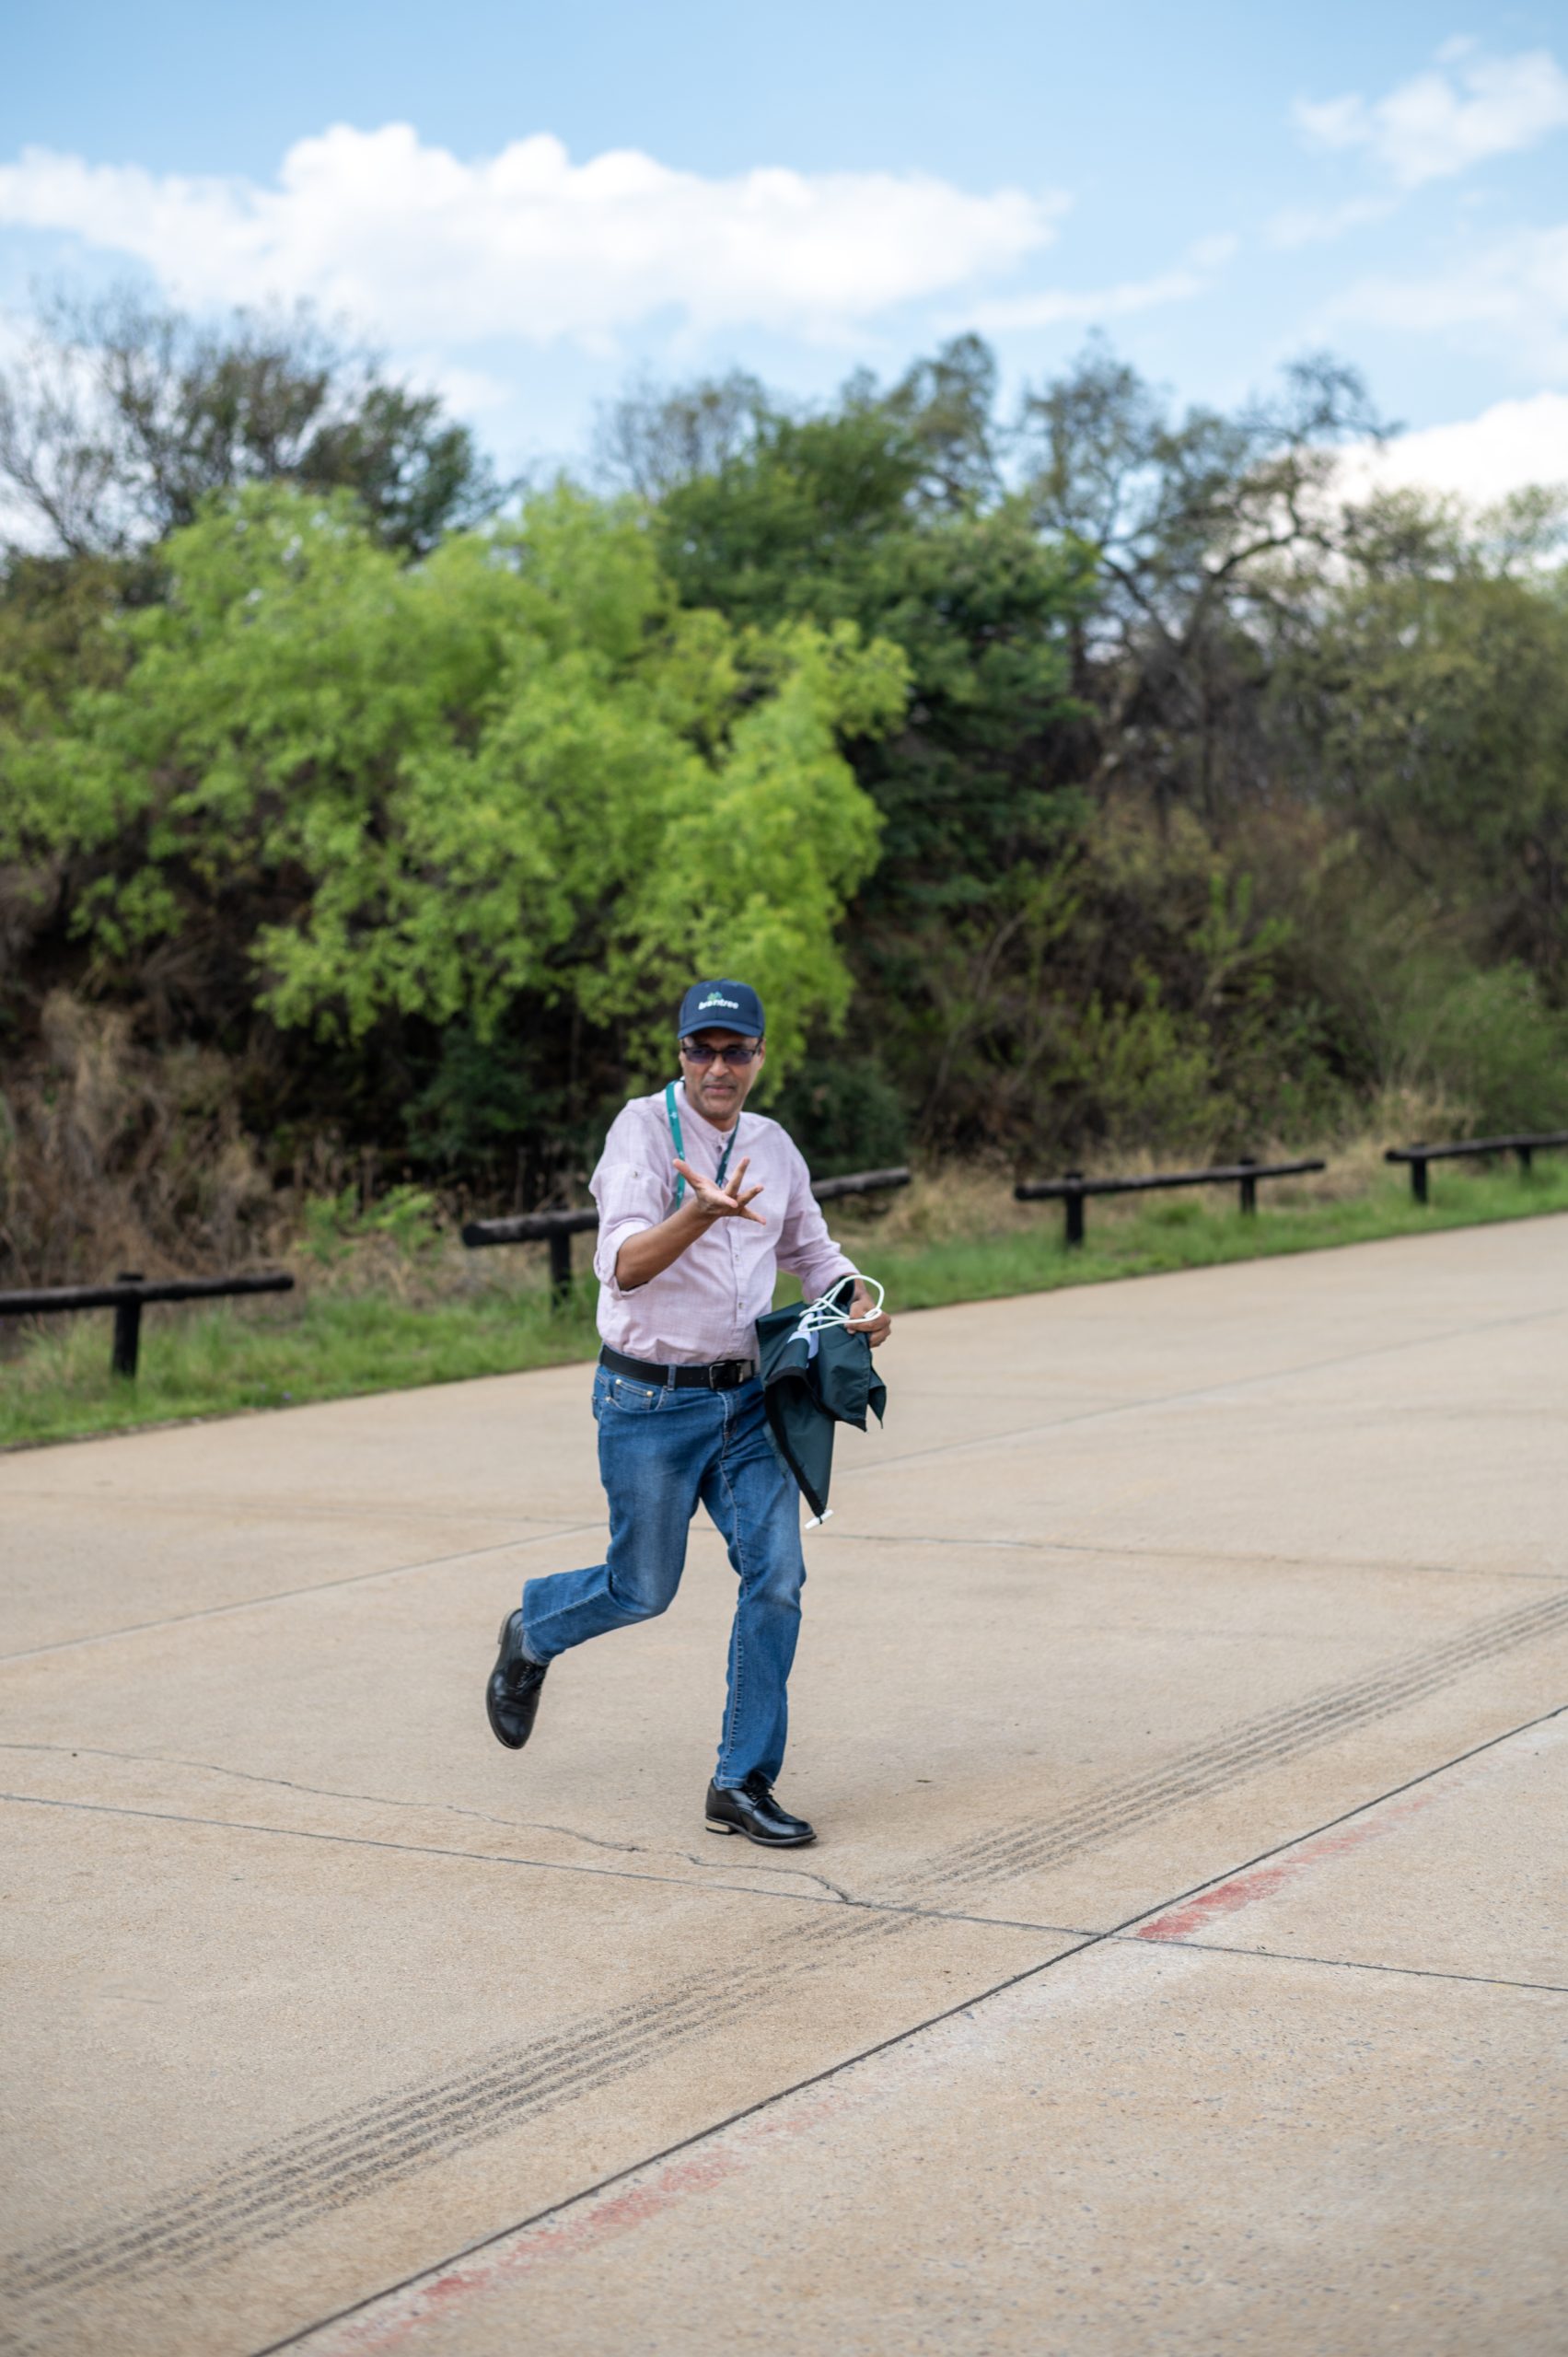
x=335, y=1793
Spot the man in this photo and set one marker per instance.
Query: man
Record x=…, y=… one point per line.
x=691, y=1238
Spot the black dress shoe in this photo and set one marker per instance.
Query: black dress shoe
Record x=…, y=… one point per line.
x=511, y=1696
x=751, y=1808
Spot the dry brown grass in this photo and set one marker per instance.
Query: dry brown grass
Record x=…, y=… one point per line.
x=113, y=1157
x=947, y=1202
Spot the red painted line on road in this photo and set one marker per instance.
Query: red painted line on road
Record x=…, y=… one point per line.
x=585, y=2225
x=1380, y=1820
x=1262, y=1882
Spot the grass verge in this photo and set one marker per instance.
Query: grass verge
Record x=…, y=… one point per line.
x=276, y=1351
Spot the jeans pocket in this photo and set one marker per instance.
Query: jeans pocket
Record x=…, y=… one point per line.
x=632, y=1398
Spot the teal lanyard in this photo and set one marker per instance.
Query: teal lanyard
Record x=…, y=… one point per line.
x=673, y=1110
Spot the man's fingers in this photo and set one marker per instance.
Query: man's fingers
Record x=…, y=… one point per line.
x=721, y=1202
x=742, y=1168
x=866, y=1319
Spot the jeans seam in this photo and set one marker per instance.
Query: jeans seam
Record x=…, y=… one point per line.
x=732, y=1715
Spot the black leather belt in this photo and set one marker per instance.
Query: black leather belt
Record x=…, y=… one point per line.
x=723, y=1374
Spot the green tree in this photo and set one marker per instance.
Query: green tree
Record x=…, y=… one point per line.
x=886, y=512
x=1429, y=700
x=516, y=775
x=1207, y=530
x=119, y=419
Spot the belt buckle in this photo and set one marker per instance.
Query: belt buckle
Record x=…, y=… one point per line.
x=722, y=1367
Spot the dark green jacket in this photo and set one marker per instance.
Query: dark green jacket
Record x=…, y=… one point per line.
x=811, y=1383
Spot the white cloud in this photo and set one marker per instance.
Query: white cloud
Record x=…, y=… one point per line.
x=1057, y=306
x=430, y=249
x=1462, y=110
x=469, y=391
x=1479, y=460
x=1512, y=293
x=1305, y=226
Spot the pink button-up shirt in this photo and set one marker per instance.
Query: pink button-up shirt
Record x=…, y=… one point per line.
x=704, y=1306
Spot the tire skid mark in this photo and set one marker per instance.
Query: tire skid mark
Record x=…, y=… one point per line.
x=1276, y=1736
x=272, y=2190
x=582, y=2225
x=267, y=2193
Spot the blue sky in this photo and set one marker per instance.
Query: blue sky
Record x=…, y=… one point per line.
x=528, y=207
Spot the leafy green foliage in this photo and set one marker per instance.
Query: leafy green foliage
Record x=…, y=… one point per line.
x=844, y=1113
x=886, y=513
x=517, y=770
x=1434, y=706
x=1080, y=783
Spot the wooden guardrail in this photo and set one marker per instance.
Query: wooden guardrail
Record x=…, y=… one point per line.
x=128, y=1296
x=1074, y=1190
x=558, y=1228
x=131, y=1292
x=1525, y=1144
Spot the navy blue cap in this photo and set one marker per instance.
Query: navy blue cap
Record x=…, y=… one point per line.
x=720, y=1006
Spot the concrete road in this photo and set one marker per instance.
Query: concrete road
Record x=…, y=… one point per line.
x=1182, y=1965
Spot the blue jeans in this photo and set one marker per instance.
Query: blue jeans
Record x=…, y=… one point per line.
x=662, y=1453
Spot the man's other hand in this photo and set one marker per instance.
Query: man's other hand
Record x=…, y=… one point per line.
x=865, y=1318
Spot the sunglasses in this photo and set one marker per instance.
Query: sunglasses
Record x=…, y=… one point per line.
x=736, y=1058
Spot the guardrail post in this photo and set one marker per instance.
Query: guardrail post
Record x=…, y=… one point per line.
x=127, y=1329
x=43, y=1301
x=560, y=1268
x=1248, y=1184
x=1465, y=1149
x=1072, y=1206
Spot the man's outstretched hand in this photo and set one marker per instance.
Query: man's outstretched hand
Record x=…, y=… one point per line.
x=729, y=1201
x=653, y=1249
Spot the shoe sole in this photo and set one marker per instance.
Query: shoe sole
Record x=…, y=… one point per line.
x=791, y=1841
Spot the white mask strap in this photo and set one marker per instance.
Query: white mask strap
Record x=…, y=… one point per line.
x=818, y=1315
